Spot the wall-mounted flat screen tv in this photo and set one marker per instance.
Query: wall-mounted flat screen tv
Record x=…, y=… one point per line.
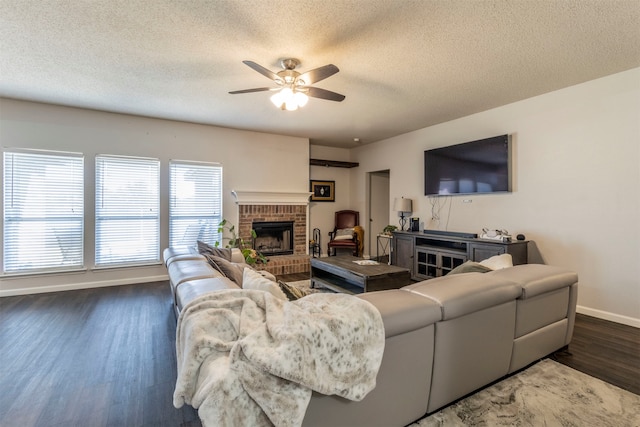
x=482, y=166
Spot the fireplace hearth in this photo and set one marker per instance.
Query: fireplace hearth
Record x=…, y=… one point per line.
x=273, y=237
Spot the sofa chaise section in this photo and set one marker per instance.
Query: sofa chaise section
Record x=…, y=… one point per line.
x=404, y=378
x=545, y=312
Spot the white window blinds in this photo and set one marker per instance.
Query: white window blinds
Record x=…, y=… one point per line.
x=195, y=203
x=43, y=215
x=127, y=210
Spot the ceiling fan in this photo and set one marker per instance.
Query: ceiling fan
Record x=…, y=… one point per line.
x=293, y=87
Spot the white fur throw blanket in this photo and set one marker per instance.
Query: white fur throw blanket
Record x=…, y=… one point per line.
x=248, y=358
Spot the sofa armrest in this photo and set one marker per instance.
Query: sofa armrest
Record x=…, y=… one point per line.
x=237, y=257
x=179, y=252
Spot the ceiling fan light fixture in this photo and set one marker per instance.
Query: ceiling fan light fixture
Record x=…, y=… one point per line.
x=277, y=99
x=294, y=91
x=290, y=106
x=289, y=99
x=301, y=99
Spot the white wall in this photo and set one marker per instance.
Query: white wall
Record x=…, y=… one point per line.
x=576, y=184
x=322, y=214
x=251, y=162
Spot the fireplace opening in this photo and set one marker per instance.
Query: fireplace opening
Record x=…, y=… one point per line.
x=273, y=238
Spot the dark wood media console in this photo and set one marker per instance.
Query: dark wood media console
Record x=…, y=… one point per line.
x=433, y=255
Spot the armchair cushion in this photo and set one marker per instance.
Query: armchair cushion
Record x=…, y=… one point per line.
x=344, y=234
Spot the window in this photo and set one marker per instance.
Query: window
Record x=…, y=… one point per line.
x=195, y=203
x=43, y=215
x=127, y=210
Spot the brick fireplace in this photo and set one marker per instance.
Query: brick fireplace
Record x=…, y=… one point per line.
x=277, y=207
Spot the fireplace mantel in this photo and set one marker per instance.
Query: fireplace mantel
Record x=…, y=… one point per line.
x=271, y=198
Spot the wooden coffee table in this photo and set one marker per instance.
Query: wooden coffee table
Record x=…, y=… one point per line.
x=341, y=274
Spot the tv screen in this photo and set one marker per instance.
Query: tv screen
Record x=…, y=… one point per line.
x=482, y=166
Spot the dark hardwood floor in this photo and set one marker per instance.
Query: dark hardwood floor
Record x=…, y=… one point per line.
x=606, y=350
x=106, y=357
x=98, y=357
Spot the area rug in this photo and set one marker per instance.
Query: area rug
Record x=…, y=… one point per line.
x=546, y=394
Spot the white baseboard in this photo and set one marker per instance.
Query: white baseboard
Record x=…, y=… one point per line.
x=85, y=285
x=625, y=320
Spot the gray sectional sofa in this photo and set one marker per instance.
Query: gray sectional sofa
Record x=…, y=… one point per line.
x=445, y=337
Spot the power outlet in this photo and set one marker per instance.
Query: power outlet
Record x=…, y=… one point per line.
x=467, y=200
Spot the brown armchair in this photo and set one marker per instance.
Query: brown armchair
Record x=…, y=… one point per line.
x=345, y=233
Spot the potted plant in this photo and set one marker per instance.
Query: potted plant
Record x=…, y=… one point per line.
x=389, y=229
x=251, y=256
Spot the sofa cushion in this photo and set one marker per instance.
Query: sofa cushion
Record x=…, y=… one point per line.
x=183, y=270
x=192, y=289
x=536, y=279
x=463, y=294
x=403, y=312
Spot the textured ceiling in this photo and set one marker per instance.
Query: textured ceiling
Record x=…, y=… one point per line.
x=404, y=64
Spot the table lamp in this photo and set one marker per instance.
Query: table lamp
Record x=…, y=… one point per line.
x=404, y=206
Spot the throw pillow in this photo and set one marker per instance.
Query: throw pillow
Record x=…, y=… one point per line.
x=251, y=279
x=213, y=263
x=470, y=267
x=231, y=270
x=267, y=275
x=344, y=234
x=204, y=248
x=498, y=262
x=291, y=292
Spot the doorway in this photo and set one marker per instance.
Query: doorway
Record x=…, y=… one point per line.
x=378, y=207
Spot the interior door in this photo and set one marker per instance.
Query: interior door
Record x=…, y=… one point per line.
x=378, y=207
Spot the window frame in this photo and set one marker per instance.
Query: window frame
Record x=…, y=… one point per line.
x=102, y=214
x=210, y=222
x=44, y=194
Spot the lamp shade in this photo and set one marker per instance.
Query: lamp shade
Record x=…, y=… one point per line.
x=403, y=205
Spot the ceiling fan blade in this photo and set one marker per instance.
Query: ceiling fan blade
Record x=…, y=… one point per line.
x=258, y=89
x=259, y=68
x=317, y=74
x=316, y=92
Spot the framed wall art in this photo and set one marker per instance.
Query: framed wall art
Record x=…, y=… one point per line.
x=323, y=191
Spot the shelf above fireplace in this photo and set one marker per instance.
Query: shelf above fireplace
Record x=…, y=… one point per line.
x=271, y=198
